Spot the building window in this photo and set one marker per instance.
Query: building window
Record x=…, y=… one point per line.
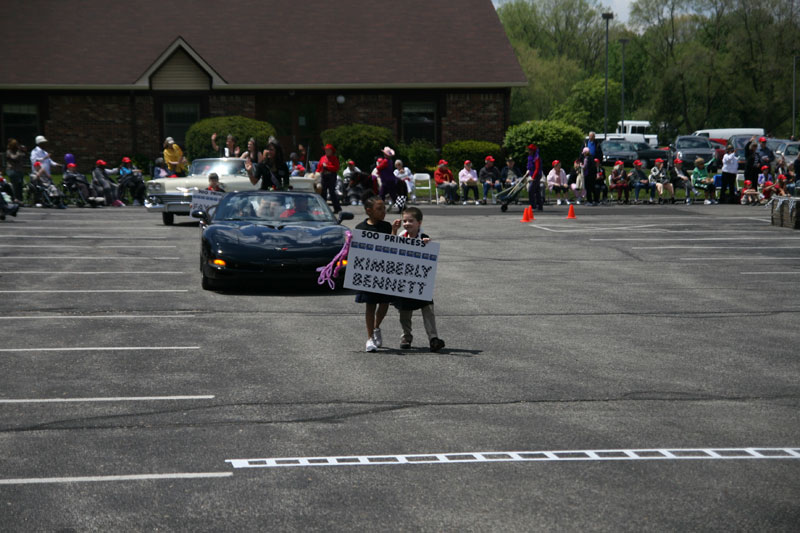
x=178, y=117
x=418, y=121
x=21, y=122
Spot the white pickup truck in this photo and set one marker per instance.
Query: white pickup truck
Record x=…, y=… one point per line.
x=633, y=131
x=173, y=196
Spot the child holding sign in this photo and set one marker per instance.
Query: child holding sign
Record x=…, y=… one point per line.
x=412, y=223
x=377, y=304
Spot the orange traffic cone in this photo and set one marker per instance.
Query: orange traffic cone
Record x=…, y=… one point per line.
x=571, y=213
x=527, y=215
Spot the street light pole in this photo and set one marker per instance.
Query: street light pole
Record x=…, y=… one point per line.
x=623, y=42
x=794, y=97
x=606, y=17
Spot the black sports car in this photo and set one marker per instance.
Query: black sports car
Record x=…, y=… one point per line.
x=628, y=152
x=262, y=235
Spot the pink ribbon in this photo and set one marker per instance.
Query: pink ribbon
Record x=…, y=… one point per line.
x=329, y=272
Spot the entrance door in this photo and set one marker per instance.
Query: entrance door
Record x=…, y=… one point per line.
x=298, y=119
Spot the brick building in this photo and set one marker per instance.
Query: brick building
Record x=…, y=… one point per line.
x=106, y=79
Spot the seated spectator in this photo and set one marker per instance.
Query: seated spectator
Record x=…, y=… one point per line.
x=765, y=176
x=350, y=170
x=445, y=182
x=229, y=150
x=51, y=196
x=359, y=183
x=510, y=173
x=7, y=204
x=641, y=181
x=214, y=184
x=791, y=182
x=293, y=162
x=489, y=176
x=750, y=194
x=131, y=178
x=702, y=181
x=403, y=174
x=575, y=181
x=557, y=182
x=660, y=176
x=780, y=186
x=600, y=185
x=767, y=191
x=103, y=185
x=160, y=170
x=620, y=183
x=681, y=180
x=298, y=171
x=77, y=182
x=468, y=179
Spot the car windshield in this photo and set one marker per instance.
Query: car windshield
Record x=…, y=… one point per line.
x=274, y=208
x=618, y=146
x=692, y=142
x=642, y=146
x=774, y=144
x=791, y=149
x=223, y=167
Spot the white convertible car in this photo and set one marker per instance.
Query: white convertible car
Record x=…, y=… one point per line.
x=173, y=196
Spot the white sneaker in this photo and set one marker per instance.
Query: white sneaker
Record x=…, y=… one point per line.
x=463, y=203
x=377, y=337
x=477, y=202
x=688, y=201
x=707, y=202
x=567, y=202
x=371, y=346
x=558, y=202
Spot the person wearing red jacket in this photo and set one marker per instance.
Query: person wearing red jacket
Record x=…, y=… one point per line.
x=445, y=181
x=328, y=166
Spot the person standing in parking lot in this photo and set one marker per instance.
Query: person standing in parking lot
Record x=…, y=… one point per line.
x=173, y=157
x=15, y=154
x=730, y=165
x=764, y=153
x=535, y=172
x=328, y=166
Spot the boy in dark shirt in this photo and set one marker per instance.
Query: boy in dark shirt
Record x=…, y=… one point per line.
x=412, y=223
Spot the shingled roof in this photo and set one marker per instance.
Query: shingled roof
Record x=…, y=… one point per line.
x=287, y=44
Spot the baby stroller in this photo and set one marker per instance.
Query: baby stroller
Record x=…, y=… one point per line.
x=76, y=188
x=506, y=196
x=42, y=192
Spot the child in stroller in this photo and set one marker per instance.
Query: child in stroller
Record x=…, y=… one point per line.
x=77, y=185
x=43, y=190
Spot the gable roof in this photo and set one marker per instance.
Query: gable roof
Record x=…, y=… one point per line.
x=243, y=44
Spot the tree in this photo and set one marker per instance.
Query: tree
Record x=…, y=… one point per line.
x=585, y=105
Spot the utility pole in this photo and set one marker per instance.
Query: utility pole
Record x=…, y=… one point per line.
x=606, y=17
x=623, y=42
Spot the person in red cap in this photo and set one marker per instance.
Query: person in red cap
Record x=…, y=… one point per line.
x=131, y=178
x=77, y=182
x=681, y=180
x=535, y=174
x=445, y=182
x=468, y=179
x=557, y=182
x=103, y=185
x=660, y=177
x=750, y=194
x=765, y=175
x=640, y=181
x=620, y=183
x=780, y=186
x=489, y=176
x=328, y=166
x=47, y=192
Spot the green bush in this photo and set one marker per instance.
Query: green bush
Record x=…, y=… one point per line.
x=457, y=152
x=359, y=142
x=418, y=155
x=198, y=138
x=555, y=139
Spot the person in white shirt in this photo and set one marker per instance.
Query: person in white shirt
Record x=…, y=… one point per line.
x=557, y=182
x=468, y=178
x=730, y=166
x=404, y=174
x=42, y=156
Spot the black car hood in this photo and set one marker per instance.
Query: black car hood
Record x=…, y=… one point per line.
x=260, y=235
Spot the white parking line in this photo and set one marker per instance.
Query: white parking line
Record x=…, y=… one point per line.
x=734, y=247
x=132, y=246
x=647, y=454
x=133, y=477
x=139, y=272
x=639, y=239
x=71, y=317
x=89, y=257
x=101, y=349
x=113, y=399
x=771, y=273
x=80, y=291
x=115, y=237
x=749, y=258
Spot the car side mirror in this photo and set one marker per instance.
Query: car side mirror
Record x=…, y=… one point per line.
x=345, y=215
x=202, y=215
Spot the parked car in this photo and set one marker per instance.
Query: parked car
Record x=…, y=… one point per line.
x=789, y=151
x=268, y=235
x=690, y=147
x=173, y=196
x=628, y=152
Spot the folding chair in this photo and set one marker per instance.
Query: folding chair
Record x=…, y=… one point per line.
x=426, y=179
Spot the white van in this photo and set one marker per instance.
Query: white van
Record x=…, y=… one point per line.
x=727, y=133
x=632, y=128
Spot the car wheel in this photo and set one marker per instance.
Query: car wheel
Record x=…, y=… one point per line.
x=168, y=218
x=209, y=284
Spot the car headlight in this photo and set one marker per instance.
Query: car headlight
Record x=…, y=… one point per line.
x=154, y=187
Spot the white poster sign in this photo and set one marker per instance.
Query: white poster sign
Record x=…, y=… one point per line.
x=205, y=199
x=388, y=264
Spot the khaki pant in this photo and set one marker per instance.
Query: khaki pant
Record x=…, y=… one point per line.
x=428, y=320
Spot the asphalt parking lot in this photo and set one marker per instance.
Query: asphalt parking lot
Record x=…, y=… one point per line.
x=634, y=369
